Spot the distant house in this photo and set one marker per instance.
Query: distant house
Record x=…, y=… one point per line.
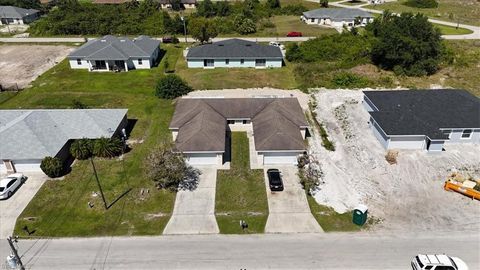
x=187, y=4
x=112, y=2
x=118, y=54
x=423, y=119
x=201, y=128
x=337, y=17
x=234, y=53
x=28, y=136
x=16, y=15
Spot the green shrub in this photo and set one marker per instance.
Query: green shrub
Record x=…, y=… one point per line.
x=349, y=80
x=293, y=52
x=52, y=167
x=296, y=9
x=422, y=3
x=107, y=147
x=81, y=149
x=171, y=86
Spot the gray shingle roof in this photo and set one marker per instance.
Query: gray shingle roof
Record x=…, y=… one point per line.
x=113, y=48
x=15, y=12
x=336, y=14
x=34, y=134
x=424, y=112
x=201, y=123
x=234, y=48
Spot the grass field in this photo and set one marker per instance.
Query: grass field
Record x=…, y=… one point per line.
x=60, y=207
x=450, y=30
x=240, y=193
x=466, y=11
x=285, y=24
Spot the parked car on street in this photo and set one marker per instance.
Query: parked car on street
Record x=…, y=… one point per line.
x=9, y=184
x=437, y=262
x=170, y=40
x=294, y=34
x=275, y=180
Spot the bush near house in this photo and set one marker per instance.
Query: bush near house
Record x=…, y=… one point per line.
x=82, y=149
x=171, y=86
x=52, y=167
x=107, y=147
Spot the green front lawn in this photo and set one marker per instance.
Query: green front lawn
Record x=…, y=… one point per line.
x=466, y=12
x=450, y=30
x=240, y=193
x=60, y=206
x=285, y=24
x=331, y=221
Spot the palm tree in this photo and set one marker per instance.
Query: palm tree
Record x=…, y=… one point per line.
x=105, y=147
x=81, y=149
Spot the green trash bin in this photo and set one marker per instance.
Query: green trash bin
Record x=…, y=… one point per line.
x=360, y=214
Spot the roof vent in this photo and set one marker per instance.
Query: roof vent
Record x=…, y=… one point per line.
x=248, y=45
x=103, y=40
x=122, y=40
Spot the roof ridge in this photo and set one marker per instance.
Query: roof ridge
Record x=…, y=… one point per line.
x=20, y=118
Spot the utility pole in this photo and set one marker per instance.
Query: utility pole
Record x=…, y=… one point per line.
x=184, y=28
x=14, y=251
x=98, y=183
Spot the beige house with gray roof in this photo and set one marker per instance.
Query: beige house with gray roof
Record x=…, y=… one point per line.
x=201, y=128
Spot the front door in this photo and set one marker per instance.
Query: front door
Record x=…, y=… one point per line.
x=260, y=62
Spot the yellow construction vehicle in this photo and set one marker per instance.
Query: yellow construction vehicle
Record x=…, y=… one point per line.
x=466, y=186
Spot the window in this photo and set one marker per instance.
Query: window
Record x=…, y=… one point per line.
x=79, y=62
x=11, y=183
x=260, y=62
x=230, y=122
x=241, y=61
x=312, y=20
x=447, y=132
x=140, y=62
x=467, y=134
x=246, y=122
x=208, y=63
x=227, y=61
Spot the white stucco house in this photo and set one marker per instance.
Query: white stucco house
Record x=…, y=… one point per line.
x=187, y=4
x=234, y=53
x=337, y=17
x=201, y=129
x=423, y=119
x=28, y=136
x=16, y=15
x=111, y=53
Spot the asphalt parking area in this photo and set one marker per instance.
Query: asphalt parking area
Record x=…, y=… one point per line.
x=12, y=207
x=288, y=210
x=194, y=211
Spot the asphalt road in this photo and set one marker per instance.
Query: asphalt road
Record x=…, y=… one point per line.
x=272, y=251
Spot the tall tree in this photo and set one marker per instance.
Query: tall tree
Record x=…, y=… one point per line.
x=324, y=3
x=273, y=4
x=206, y=9
x=407, y=44
x=202, y=29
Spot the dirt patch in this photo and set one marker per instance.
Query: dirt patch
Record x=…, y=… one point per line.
x=21, y=64
x=408, y=195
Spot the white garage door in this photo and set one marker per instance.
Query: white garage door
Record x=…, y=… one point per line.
x=406, y=143
x=280, y=158
x=202, y=159
x=27, y=165
x=3, y=169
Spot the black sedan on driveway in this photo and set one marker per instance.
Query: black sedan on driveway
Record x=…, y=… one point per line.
x=275, y=180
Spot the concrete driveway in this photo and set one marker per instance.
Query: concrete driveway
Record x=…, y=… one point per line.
x=194, y=211
x=288, y=210
x=12, y=207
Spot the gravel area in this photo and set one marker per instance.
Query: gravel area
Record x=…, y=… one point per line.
x=407, y=195
x=22, y=64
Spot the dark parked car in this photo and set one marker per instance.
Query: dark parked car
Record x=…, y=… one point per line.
x=170, y=40
x=275, y=180
x=294, y=34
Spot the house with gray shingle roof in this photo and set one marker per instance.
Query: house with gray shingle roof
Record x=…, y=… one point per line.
x=337, y=17
x=201, y=128
x=16, y=15
x=423, y=119
x=234, y=53
x=111, y=53
x=28, y=136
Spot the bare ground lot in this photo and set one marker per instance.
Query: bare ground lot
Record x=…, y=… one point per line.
x=406, y=196
x=22, y=64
